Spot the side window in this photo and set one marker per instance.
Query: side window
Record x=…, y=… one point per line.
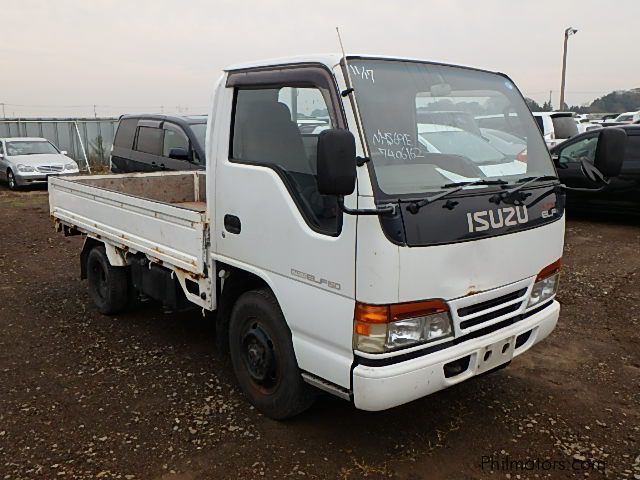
x=174, y=137
x=125, y=133
x=279, y=128
x=583, y=150
x=149, y=140
x=540, y=122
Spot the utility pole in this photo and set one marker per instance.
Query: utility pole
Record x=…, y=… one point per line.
x=550, y=94
x=95, y=115
x=3, y=114
x=567, y=33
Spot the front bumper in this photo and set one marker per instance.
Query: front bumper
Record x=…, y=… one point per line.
x=34, y=178
x=381, y=387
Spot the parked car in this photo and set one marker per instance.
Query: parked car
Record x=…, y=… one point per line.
x=556, y=127
x=585, y=124
x=608, y=118
x=30, y=160
x=508, y=144
x=487, y=160
x=147, y=143
x=627, y=117
x=623, y=191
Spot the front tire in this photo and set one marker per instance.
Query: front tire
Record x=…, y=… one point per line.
x=108, y=285
x=11, y=180
x=263, y=358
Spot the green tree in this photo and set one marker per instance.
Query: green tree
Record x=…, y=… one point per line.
x=617, y=102
x=533, y=105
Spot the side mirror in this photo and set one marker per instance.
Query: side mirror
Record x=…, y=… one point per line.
x=1, y=155
x=63, y=152
x=179, y=153
x=336, y=162
x=609, y=156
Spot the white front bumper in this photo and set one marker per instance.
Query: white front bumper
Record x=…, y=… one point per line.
x=379, y=388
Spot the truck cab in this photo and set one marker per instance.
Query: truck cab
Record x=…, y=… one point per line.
x=344, y=244
x=385, y=308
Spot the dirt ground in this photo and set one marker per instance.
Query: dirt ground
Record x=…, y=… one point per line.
x=143, y=396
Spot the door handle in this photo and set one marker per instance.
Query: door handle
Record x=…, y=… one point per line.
x=232, y=224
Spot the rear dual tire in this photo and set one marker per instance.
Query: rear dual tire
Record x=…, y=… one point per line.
x=108, y=285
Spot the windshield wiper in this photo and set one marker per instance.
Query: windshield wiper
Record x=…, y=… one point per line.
x=508, y=196
x=415, y=206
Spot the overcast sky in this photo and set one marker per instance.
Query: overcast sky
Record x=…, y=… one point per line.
x=59, y=56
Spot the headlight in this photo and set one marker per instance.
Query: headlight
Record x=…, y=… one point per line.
x=546, y=284
x=26, y=168
x=382, y=328
x=71, y=166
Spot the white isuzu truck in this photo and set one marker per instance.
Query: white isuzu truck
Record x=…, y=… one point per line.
x=356, y=230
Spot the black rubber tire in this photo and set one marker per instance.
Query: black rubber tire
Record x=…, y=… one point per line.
x=283, y=394
x=11, y=180
x=108, y=285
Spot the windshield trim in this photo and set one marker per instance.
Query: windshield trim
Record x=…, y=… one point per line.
x=380, y=195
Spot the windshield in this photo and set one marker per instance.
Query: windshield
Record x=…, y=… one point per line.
x=429, y=125
x=199, y=130
x=30, y=148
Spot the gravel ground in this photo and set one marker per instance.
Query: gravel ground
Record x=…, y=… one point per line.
x=143, y=396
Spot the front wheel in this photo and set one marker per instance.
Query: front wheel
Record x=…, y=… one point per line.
x=263, y=358
x=108, y=285
x=11, y=180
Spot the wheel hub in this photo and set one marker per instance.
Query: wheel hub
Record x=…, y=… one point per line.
x=100, y=280
x=259, y=356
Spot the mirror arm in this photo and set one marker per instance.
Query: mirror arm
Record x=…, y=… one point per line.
x=360, y=161
x=389, y=209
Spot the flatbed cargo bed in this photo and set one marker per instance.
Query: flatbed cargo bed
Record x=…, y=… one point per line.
x=162, y=215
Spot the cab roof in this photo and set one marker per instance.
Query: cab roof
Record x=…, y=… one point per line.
x=331, y=60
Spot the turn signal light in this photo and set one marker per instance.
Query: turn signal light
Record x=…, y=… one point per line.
x=381, y=328
x=549, y=270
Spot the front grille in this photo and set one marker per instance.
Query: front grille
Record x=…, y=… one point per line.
x=475, y=310
x=50, y=168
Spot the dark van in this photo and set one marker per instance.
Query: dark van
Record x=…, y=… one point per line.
x=147, y=143
x=622, y=193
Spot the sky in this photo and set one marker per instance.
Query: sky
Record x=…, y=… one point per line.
x=61, y=57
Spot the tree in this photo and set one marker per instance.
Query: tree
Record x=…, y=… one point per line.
x=533, y=105
x=617, y=102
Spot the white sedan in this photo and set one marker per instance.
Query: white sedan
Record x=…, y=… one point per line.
x=29, y=161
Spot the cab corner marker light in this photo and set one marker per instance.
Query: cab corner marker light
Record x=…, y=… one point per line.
x=549, y=270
